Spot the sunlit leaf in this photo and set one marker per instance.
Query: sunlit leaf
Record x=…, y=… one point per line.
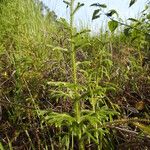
x=58, y=119
x=60, y=49
x=112, y=25
x=91, y=136
x=60, y=94
x=62, y=84
x=1, y=146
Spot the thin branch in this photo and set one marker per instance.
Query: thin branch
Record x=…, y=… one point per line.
x=129, y=26
x=131, y=132
x=125, y=130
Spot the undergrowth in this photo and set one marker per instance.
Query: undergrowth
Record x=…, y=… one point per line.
x=65, y=89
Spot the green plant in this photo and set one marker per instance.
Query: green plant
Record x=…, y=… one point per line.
x=86, y=121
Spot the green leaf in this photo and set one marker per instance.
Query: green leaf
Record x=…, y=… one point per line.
x=1, y=146
x=79, y=5
x=62, y=84
x=103, y=5
x=82, y=45
x=146, y=8
x=133, y=19
x=58, y=119
x=148, y=16
x=132, y=2
x=99, y=5
x=111, y=12
x=127, y=31
x=66, y=2
x=60, y=94
x=64, y=23
x=82, y=32
x=96, y=14
x=83, y=63
x=112, y=25
x=91, y=136
x=60, y=49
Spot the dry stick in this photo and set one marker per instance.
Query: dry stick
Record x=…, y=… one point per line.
x=112, y=124
x=132, y=132
x=125, y=130
x=129, y=120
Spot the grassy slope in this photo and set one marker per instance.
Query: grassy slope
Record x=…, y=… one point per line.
x=112, y=72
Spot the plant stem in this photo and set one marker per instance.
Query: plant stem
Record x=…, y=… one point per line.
x=73, y=54
x=74, y=71
x=73, y=59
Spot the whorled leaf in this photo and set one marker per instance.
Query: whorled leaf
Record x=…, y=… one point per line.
x=60, y=94
x=58, y=119
x=89, y=116
x=96, y=117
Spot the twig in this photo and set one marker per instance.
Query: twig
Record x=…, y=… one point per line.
x=125, y=130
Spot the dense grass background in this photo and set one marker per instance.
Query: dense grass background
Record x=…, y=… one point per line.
x=63, y=89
